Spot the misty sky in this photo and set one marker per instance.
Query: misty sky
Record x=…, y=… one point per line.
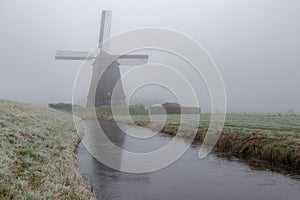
x=255, y=44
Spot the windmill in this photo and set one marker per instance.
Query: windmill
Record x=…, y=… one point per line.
x=103, y=88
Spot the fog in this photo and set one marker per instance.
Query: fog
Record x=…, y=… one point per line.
x=255, y=44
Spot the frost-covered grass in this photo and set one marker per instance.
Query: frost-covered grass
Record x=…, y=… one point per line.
x=272, y=138
x=37, y=154
x=267, y=125
x=284, y=126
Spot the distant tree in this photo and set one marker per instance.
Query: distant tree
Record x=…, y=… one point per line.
x=290, y=112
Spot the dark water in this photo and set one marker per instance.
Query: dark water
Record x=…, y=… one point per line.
x=215, y=177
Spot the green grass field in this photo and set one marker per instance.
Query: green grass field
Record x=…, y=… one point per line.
x=275, y=138
x=268, y=125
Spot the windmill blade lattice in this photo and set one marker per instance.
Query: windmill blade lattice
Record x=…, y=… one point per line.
x=105, y=28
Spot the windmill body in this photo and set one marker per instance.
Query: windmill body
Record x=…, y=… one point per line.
x=102, y=88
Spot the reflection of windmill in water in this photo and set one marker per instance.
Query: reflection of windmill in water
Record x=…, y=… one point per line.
x=103, y=88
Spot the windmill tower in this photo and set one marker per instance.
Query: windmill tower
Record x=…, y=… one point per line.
x=103, y=88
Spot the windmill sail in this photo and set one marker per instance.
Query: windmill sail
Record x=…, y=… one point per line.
x=105, y=30
x=133, y=60
x=73, y=55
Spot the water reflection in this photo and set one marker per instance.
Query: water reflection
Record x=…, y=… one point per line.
x=188, y=178
x=259, y=165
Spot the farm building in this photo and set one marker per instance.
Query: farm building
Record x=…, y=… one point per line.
x=173, y=108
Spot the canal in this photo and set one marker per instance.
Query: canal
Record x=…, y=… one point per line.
x=216, y=177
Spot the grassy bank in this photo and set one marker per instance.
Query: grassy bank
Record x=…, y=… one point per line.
x=37, y=154
x=272, y=138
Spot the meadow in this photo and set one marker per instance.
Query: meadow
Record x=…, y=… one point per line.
x=38, y=154
x=272, y=138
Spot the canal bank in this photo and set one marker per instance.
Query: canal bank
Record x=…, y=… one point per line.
x=214, y=177
x=38, y=154
x=275, y=139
